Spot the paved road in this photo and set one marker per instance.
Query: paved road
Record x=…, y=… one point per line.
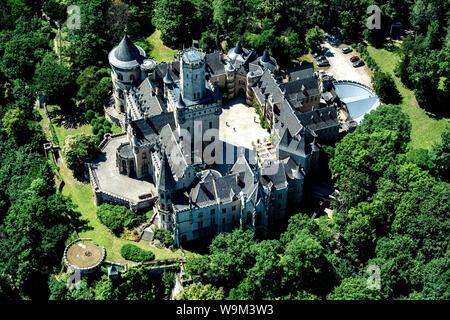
x=342, y=68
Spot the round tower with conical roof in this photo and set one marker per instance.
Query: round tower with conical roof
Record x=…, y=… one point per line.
x=125, y=60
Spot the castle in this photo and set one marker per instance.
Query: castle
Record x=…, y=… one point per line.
x=170, y=115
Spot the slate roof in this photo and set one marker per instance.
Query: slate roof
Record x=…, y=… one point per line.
x=146, y=99
x=320, y=118
x=214, y=63
x=126, y=55
x=166, y=181
x=148, y=129
x=305, y=70
x=176, y=154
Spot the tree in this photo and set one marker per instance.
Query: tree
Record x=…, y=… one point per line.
x=89, y=44
x=173, y=19
x=397, y=258
x=391, y=118
x=231, y=255
x=208, y=41
x=55, y=10
x=385, y=87
x=15, y=124
x=118, y=17
x=359, y=239
x=295, y=45
x=440, y=155
x=305, y=265
x=99, y=95
x=137, y=285
x=21, y=55
x=436, y=276
x=424, y=215
x=355, y=289
x=263, y=280
x=314, y=39
x=117, y=217
x=35, y=231
x=54, y=80
x=198, y=291
x=77, y=149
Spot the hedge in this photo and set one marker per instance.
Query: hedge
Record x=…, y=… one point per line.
x=136, y=254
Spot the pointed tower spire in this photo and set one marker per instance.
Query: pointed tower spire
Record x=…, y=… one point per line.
x=166, y=181
x=168, y=78
x=126, y=50
x=181, y=103
x=238, y=48
x=265, y=56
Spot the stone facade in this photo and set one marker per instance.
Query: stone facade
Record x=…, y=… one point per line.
x=167, y=106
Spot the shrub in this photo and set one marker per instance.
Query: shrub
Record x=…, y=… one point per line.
x=117, y=217
x=77, y=149
x=134, y=253
x=385, y=88
x=165, y=236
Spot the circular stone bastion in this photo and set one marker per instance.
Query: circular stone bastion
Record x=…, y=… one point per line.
x=84, y=255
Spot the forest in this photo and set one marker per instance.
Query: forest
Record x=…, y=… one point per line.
x=393, y=207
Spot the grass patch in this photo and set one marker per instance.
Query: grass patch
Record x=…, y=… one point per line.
x=159, y=51
x=82, y=195
x=62, y=132
x=425, y=129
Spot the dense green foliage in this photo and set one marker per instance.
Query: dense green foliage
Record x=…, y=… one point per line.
x=385, y=87
x=117, y=217
x=164, y=236
x=389, y=213
x=136, y=284
x=198, y=291
x=136, y=254
x=392, y=210
x=77, y=149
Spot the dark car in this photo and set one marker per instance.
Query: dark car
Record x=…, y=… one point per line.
x=320, y=58
x=323, y=63
x=347, y=50
x=354, y=58
x=358, y=63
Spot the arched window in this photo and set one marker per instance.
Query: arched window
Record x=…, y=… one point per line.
x=119, y=76
x=120, y=94
x=132, y=77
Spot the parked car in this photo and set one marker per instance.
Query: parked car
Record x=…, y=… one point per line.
x=323, y=63
x=320, y=58
x=347, y=50
x=354, y=58
x=358, y=63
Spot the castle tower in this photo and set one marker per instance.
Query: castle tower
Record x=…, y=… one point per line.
x=198, y=105
x=125, y=60
x=165, y=184
x=168, y=82
x=192, y=74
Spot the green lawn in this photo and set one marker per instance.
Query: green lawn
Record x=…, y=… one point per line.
x=159, y=51
x=425, y=129
x=83, y=196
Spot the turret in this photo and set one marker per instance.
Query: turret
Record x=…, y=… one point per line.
x=192, y=74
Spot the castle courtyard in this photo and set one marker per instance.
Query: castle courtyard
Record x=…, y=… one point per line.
x=239, y=124
x=111, y=181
